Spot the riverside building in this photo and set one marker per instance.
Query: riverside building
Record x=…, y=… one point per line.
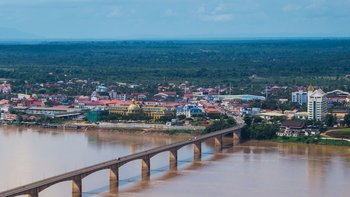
x=317, y=104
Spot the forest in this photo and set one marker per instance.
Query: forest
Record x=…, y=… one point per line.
x=323, y=62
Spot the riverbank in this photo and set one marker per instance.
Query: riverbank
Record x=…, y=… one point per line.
x=88, y=128
x=310, y=140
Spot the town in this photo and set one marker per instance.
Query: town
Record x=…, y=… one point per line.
x=289, y=111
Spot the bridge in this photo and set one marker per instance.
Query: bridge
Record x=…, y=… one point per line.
x=76, y=176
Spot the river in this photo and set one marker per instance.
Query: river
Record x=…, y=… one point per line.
x=247, y=169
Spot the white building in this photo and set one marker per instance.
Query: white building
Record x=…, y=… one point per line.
x=101, y=88
x=317, y=105
x=299, y=97
x=189, y=111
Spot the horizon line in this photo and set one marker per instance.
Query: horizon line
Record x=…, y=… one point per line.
x=257, y=38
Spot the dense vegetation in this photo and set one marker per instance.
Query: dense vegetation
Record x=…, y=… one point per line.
x=275, y=62
x=220, y=124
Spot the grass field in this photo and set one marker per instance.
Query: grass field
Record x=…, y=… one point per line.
x=342, y=131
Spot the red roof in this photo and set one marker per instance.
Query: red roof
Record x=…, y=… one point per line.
x=4, y=101
x=206, y=104
x=168, y=93
x=212, y=110
x=172, y=104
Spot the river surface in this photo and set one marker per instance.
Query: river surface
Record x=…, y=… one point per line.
x=247, y=169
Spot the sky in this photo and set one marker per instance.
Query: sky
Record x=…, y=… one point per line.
x=173, y=19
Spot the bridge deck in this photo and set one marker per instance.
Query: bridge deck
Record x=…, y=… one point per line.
x=106, y=165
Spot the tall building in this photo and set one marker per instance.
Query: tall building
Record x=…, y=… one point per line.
x=317, y=104
x=299, y=97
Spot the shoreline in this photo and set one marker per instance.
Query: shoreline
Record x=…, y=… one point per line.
x=139, y=131
x=320, y=142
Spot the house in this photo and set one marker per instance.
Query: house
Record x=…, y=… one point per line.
x=8, y=117
x=23, y=96
x=292, y=128
x=5, y=88
x=295, y=128
x=290, y=114
x=339, y=114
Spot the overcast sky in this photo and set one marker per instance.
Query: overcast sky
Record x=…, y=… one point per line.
x=125, y=19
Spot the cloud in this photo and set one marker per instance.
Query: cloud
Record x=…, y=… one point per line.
x=169, y=12
x=220, y=17
x=291, y=8
x=216, y=14
x=114, y=12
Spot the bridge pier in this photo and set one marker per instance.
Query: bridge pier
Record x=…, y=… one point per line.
x=76, y=186
x=197, y=146
x=236, y=135
x=146, y=168
x=113, y=179
x=219, y=142
x=33, y=193
x=173, y=159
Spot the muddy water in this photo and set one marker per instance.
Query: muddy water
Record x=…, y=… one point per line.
x=248, y=169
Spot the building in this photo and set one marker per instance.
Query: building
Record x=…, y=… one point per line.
x=95, y=116
x=23, y=96
x=339, y=114
x=295, y=128
x=301, y=115
x=118, y=96
x=8, y=117
x=271, y=115
x=101, y=88
x=5, y=88
x=245, y=97
x=53, y=112
x=299, y=97
x=338, y=96
x=189, y=111
x=155, y=112
x=317, y=104
x=292, y=128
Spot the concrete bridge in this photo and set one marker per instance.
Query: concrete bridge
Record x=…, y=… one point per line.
x=76, y=176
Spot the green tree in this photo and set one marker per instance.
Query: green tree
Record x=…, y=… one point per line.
x=330, y=120
x=347, y=120
x=263, y=131
x=181, y=117
x=248, y=120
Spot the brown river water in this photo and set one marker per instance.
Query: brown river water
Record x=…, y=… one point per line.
x=247, y=169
